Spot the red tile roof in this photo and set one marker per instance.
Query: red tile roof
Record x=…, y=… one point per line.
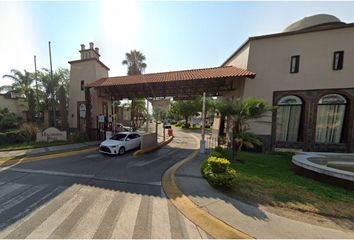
x=164, y=77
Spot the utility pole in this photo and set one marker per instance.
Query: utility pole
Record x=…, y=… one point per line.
x=35, y=77
x=51, y=78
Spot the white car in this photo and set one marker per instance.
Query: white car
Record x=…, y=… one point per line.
x=120, y=143
x=124, y=128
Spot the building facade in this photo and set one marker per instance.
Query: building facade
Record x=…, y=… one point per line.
x=307, y=73
x=15, y=104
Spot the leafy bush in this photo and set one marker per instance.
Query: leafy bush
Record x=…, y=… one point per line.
x=215, y=154
x=3, y=138
x=218, y=173
x=8, y=120
x=186, y=125
x=78, y=137
x=13, y=137
x=28, y=132
x=218, y=165
x=218, y=149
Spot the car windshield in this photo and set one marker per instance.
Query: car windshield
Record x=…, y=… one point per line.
x=119, y=137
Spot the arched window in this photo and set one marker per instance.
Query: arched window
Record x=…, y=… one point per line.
x=288, y=119
x=330, y=118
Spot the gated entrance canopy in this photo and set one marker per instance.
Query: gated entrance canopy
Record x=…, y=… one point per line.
x=177, y=84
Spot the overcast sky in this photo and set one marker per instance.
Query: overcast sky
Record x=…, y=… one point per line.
x=172, y=35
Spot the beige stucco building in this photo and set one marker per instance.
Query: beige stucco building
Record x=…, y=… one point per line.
x=15, y=104
x=311, y=59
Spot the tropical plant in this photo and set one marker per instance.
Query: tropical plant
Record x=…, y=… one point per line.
x=32, y=106
x=135, y=61
x=21, y=82
x=239, y=113
x=8, y=120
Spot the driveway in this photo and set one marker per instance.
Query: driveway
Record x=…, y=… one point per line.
x=94, y=196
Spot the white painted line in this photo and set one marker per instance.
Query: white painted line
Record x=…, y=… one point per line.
x=51, y=223
x=34, y=205
x=160, y=219
x=20, y=198
x=8, y=188
x=126, y=222
x=90, y=222
x=67, y=174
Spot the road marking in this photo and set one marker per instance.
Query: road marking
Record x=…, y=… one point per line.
x=30, y=208
x=127, y=219
x=147, y=162
x=88, y=225
x=66, y=174
x=8, y=188
x=20, y=198
x=160, y=220
x=55, y=219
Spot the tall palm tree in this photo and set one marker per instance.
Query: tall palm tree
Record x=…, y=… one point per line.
x=135, y=61
x=21, y=82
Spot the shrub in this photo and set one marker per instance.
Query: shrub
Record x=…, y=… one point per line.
x=3, y=138
x=218, y=149
x=78, y=137
x=13, y=137
x=218, y=173
x=28, y=131
x=218, y=165
x=215, y=154
x=186, y=125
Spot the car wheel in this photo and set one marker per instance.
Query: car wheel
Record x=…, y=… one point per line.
x=121, y=151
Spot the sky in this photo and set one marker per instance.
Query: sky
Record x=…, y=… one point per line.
x=172, y=35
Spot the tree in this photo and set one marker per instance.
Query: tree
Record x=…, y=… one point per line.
x=239, y=112
x=21, y=82
x=32, y=106
x=135, y=61
x=8, y=120
x=63, y=108
x=186, y=108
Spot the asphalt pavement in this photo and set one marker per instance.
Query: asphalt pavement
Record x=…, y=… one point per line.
x=92, y=195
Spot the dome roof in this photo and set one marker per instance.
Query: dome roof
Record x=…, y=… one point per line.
x=315, y=20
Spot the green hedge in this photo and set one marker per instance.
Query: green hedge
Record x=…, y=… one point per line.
x=218, y=173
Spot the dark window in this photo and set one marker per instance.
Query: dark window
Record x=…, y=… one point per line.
x=294, y=64
x=82, y=84
x=338, y=60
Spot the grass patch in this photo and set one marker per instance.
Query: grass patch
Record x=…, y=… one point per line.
x=269, y=180
x=30, y=145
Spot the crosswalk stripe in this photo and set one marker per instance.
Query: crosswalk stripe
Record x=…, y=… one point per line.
x=177, y=226
x=20, y=198
x=127, y=219
x=87, y=227
x=142, y=228
x=32, y=206
x=23, y=227
x=192, y=229
x=111, y=216
x=160, y=219
x=51, y=223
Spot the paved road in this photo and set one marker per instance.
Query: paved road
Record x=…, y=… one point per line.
x=94, y=196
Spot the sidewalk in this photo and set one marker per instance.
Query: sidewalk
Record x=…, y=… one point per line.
x=242, y=216
x=34, y=151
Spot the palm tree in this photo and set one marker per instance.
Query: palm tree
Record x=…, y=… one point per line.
x=135, y=61
x=21, y=82
x=239, y=112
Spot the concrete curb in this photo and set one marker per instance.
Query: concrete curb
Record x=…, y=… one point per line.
x=151, y=149
x=207, y=222
x=45, y=156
